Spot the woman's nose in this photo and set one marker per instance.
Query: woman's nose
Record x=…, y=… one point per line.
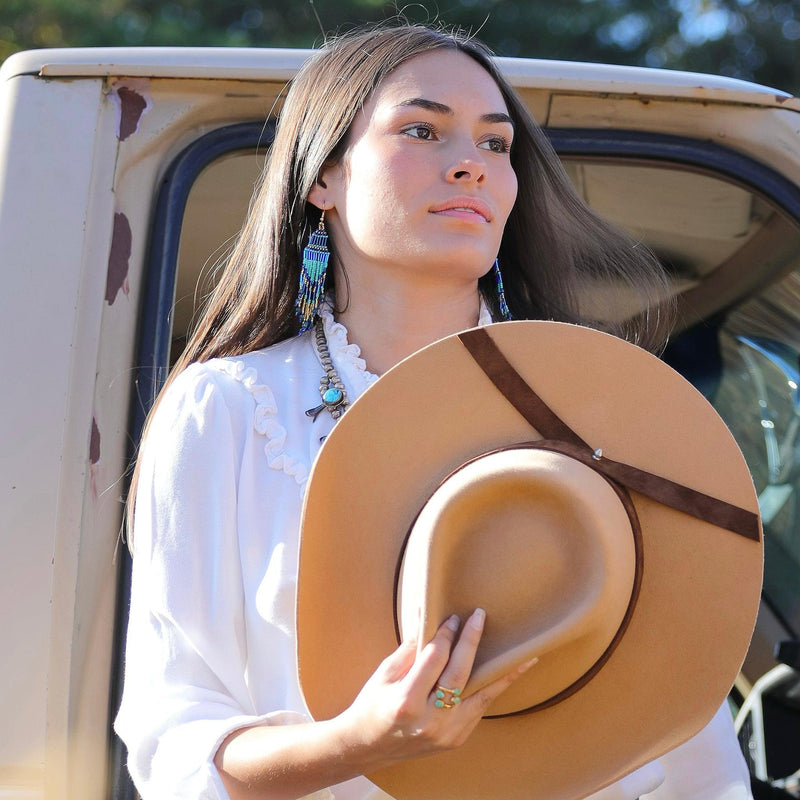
x=467, y=170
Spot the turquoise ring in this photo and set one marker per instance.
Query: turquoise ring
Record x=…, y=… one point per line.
x=446, y=698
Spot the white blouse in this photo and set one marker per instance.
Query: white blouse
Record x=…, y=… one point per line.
x=211, y=636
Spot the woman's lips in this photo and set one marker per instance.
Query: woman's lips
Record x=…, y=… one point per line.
x=466, y=208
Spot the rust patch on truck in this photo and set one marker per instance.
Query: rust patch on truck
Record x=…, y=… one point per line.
x=118, y=258
x=132, y=100
x=94, y=457
x=94, y=443
x=132, y=106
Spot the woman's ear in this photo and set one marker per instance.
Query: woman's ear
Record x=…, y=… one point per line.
x=318, y=196
x=325, y=190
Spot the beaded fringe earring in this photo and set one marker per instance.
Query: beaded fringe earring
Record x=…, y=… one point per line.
x=501, y=294
x=312, y=276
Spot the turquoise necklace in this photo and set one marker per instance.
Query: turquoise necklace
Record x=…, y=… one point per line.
x=331, y=388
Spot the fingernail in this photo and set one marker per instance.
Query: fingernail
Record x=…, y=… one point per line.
x=454, y=623
x=526, y=666
x=477, y=619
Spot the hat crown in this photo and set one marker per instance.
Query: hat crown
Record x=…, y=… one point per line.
x=544, y=545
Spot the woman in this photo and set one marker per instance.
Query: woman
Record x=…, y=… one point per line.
x=407, y=149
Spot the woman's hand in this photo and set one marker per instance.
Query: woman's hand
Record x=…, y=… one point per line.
x=395, y=716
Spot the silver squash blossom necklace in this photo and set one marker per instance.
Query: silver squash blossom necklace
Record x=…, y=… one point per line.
x=331, y=388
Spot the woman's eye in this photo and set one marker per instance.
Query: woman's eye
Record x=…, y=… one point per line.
x=419, y=132
x=497, y=144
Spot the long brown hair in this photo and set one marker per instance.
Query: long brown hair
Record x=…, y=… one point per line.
x=553, y=249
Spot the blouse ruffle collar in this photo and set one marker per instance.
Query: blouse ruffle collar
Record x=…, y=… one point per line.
x=351, y=367
x=266, y=419
x=346, y=355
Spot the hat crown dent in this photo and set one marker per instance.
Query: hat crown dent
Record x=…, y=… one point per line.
x=544, y=545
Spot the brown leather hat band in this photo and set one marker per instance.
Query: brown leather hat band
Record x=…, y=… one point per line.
x=512, y=386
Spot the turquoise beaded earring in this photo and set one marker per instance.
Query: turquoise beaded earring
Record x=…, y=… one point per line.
x=312, y=276
x=501, y=294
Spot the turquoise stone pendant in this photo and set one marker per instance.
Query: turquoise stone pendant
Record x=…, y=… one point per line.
x=333, y=398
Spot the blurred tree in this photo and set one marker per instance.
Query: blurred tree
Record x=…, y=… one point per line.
x=751, y=39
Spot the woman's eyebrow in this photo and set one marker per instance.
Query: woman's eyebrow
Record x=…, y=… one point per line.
x=498, y=117
x=441, y=108
x=428, y=105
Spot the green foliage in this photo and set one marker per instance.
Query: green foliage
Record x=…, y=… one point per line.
x=751, y=39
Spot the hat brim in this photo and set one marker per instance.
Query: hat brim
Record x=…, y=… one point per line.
x=700, y=587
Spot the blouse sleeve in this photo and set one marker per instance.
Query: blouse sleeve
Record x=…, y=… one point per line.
x=185, y=667
x=710, y=766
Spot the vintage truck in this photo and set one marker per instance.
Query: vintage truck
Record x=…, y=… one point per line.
x=124, y=173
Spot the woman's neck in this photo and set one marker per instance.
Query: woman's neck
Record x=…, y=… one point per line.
x=392, y=324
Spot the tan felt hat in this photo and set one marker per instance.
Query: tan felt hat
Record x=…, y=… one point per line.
x=581, y=492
